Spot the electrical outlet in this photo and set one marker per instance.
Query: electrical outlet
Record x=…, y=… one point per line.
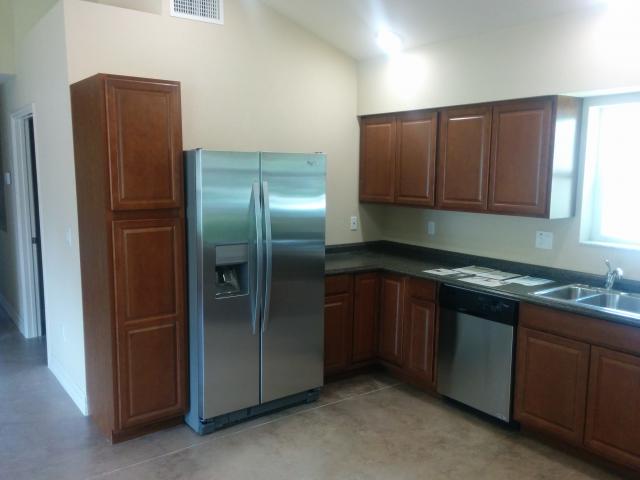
x=354, y=223
x=544, y=240
x=7, y=178
x=431, y=228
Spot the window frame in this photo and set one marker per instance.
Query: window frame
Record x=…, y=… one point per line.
x=590, y=212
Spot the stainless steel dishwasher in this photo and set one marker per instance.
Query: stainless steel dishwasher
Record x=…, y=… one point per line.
x=476, y=350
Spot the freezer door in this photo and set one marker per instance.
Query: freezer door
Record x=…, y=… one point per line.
x=293, y=321
x=229, y=209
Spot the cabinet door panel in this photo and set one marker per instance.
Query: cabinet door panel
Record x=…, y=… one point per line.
x=365, y=317
x=463, y=158
x=520, y=157
x=148, y=275
x=151, y=375
x=391, y=311
x=551, y=384
x=145, y=144
x=416, y=158
x=149, y=263
x=613, y=412
x=338, y=326
x=377, y=159
x=419, y=326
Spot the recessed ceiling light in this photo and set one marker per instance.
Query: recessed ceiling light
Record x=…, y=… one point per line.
x=388, y=41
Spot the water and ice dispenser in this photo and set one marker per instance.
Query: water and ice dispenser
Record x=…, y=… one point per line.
x=232, y=276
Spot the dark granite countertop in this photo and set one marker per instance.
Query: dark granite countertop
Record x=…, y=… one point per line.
x=415, y=260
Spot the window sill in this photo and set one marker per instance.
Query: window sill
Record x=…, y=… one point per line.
x=620, y=246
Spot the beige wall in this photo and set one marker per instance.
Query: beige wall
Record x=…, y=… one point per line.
x=7, y=64
x=41, y=79
x=257, y=83
x=576, y=53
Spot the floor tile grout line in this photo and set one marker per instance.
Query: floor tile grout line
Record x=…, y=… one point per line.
x=253, y=427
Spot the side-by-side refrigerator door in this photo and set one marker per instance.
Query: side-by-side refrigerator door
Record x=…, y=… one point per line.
x=293, y=189
x=231, y=226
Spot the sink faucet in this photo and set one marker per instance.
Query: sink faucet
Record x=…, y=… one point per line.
x=613, y=274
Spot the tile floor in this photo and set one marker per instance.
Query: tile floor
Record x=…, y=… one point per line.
x=368, y=427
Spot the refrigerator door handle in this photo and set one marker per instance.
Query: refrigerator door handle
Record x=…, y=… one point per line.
x=257, y=268
x=268, y=255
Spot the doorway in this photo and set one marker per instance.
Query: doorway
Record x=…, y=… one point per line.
x=28, y=233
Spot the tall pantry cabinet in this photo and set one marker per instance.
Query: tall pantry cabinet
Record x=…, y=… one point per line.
x=128, y=154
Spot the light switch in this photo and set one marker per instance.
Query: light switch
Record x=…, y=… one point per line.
x=544, y=240
x=354, y=223
x=69, y=237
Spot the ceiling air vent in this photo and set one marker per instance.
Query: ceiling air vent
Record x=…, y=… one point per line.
x=203, y=10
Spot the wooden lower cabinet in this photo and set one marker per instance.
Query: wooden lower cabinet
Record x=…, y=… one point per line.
x=613, y=412
x=338, y=324
x=551, y=384
x=391, y=315
x=372, y=317
x=365, y=317
x=578, y=380
x=420, y=340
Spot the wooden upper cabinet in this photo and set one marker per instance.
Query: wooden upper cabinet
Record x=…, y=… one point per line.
x=365, y=317
x=551, y=384
x=520, y=157
x=416, y=158
x=377, y=159
x=515, y=157
x=463, y=158
x=145, y=143
x=391, y=313
x=613, y=412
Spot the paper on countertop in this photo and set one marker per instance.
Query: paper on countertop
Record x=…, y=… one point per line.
x=528, y=281
x=497, y=275
x=485, y=282
x=441, y=271
x=473, y=270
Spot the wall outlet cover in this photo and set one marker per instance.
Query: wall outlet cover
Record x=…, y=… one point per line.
x=544, y=240
x=354, y=223
x=431, y=228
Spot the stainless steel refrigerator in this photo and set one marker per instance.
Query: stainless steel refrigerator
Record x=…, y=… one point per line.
x=256, y=239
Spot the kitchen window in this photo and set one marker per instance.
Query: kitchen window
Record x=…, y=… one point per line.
x=611, y=193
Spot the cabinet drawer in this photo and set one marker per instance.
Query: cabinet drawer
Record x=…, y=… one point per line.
x=586, y=329
x=337, y=284
x=422, y=289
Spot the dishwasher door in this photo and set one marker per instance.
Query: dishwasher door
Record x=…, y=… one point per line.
x=475, y=362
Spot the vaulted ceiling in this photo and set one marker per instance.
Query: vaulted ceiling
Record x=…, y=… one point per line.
x=351, y=25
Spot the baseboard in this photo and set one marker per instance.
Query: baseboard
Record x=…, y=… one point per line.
x=77, y=394
x=13, y=314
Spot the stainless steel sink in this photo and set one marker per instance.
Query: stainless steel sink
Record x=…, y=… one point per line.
x=600, y=299
x=569, y=293
x=614, y=301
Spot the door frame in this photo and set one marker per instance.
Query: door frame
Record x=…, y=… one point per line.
x=30, y=322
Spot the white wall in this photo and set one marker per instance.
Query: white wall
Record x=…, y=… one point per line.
x=41, y=78
x=587, y=52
